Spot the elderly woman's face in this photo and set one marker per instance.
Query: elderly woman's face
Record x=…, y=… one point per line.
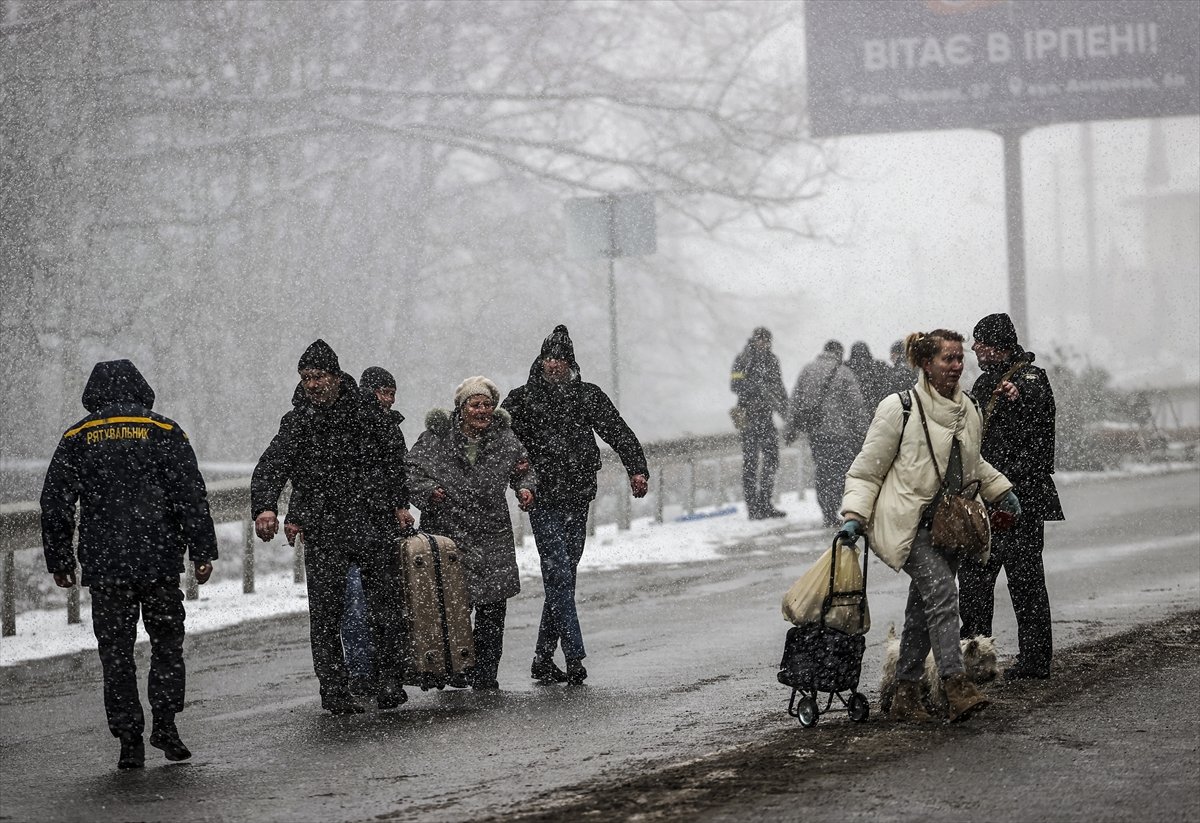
x=477, y=412
x=945, y=367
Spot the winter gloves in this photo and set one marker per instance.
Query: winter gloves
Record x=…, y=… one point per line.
x=850, y=531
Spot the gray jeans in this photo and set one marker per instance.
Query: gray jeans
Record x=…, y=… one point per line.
x=931, y=615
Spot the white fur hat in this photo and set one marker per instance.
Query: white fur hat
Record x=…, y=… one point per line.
x=473, y=386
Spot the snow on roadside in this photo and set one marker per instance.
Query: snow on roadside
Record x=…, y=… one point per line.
x=45, y=632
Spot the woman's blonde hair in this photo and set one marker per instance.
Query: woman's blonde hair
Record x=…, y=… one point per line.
x=921, y=346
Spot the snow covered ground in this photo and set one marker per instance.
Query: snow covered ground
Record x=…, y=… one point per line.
x=45, y=633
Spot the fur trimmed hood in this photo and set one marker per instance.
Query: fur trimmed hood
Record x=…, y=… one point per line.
x=441, y=421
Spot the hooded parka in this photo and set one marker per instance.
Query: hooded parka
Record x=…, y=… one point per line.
x=558, y=424
x=475, y=512
x=142, y=500
x=892, y=480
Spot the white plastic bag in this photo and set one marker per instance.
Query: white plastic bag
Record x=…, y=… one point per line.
x=802, y=603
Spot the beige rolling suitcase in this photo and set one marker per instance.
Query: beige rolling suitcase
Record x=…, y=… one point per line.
x=437, y=608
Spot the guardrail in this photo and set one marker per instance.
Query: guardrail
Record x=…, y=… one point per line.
x=689, y=472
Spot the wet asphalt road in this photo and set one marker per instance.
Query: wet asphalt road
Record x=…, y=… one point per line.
x=682, y=666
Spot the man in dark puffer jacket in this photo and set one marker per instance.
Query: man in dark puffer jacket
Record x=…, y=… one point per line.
x=557, y=417
x=142, y=503
x=344, y=457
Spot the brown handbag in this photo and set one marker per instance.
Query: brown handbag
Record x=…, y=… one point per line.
x=958, y=521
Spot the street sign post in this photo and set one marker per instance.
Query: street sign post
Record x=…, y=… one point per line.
x=612, y=226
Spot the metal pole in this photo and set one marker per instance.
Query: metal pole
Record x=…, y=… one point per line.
x=298, y=561
x=73, y=592
x=612, y=333
x=248, y=560
x=191, y=588
x=1015, y=213
x=660, y=493
x=8, y=622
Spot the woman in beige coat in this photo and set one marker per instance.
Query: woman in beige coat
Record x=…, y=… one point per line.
x=888, y=488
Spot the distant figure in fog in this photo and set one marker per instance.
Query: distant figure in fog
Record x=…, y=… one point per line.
x=142, y=504
x=827, y=406
x=901, y=376
x=756, y=380
x=874, y=376
x=1018, y=439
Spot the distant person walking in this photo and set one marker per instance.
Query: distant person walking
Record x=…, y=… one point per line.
x=874, y=376
x=459, y=470
x=758, y=383
x=557, y=417
x=345, y=460
x=827, y=406
x=1018, y=439
x=901, y=376
x=142, y=504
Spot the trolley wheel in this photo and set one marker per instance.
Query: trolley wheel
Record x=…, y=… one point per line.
x=858, y=708
x=807, y=712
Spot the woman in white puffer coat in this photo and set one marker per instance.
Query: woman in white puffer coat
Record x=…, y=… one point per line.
x=888, y=488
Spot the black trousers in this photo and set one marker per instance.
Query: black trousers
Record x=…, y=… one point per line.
x=760, y=462
x=832, y=458
x=115, y=608
x=328, y=554
x=1019, y=552
x=488, y=632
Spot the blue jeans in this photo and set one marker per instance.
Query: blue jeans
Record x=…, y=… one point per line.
x=559, y=532
x=356, y=635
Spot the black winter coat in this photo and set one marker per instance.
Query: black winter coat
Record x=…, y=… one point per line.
x=558, y=427
x=345, y=463
x=1019, y=434
x=142, y=500
x=758, y=383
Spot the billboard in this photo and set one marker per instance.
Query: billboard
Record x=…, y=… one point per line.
x=918, y=65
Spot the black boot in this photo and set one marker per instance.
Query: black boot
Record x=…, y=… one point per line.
x=390, y=695
x=133, y=752
x=545, y=672
x=166, y=737
x=482, y=676
x=338, y=701
x=576, y=673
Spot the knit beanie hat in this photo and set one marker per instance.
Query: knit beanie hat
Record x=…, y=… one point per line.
x=377, y=377
x=321, y=356
x=558, y=345
x=473, y=386
x=761, y=333
x=996, y=330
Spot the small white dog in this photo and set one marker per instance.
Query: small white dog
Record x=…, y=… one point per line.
x=979, y=660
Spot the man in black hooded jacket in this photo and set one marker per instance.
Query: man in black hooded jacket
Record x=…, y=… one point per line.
x=557, y=417
x=344, y=456
x=142, y=503
x=1018, y=439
